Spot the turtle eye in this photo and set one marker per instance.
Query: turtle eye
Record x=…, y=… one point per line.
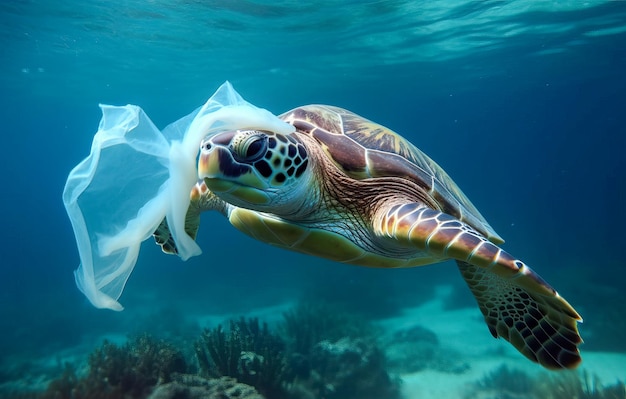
x=249, y=146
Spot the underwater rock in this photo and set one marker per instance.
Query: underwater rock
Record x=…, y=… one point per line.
x=417, y=348
x=312, y=322
x=350, y=368
x=194, y=387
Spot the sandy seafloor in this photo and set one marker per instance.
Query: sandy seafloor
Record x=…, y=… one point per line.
x=463, y=331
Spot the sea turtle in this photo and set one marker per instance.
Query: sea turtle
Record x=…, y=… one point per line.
x=348, y=189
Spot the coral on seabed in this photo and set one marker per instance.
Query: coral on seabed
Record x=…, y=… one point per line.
x=194, y=387
x=578, y=385
x=322, y=354
x=350, y=368
x=142, y=362
x=505, y=383
x=333, y=354
x=312, y=322
x=248, y=352
x=327, y=354
x=417, y=348
x=129, y=371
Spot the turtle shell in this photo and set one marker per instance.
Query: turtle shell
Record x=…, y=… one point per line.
x=364, y=149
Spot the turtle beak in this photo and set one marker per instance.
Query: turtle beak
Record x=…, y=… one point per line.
x=212, y=152
x=208, y=164
x=210, y=169
x=229, y=179
x=218, y=168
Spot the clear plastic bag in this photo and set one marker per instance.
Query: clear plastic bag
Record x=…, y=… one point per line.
x=135, y=176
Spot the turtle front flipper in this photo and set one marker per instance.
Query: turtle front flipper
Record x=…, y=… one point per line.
x=517, y=304
x=163, y=237
x=201, y=199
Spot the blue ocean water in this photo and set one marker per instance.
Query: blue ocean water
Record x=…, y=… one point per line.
x=521, y=102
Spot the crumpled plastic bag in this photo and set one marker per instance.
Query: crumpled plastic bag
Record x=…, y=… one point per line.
x=135, y=176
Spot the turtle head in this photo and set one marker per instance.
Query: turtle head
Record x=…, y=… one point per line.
x=254, y=169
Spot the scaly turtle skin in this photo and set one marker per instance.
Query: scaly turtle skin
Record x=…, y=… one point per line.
x=347, y=189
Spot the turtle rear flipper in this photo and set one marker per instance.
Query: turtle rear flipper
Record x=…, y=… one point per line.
x=202, y=199
x=517, y=304
x=543, y=327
